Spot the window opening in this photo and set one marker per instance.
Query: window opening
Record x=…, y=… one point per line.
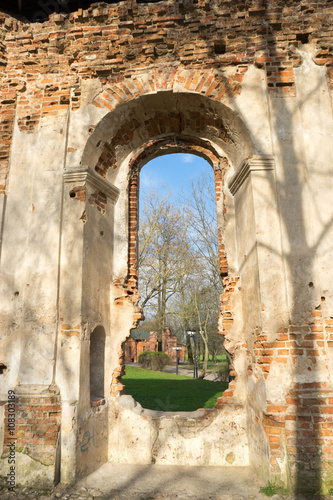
x=180, y=286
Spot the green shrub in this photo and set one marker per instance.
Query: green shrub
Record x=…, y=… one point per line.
x=154, y=360
x=144, y=360
x=273, y=489
x=222, y=372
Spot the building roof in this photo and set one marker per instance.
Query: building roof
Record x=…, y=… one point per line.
x=140, y=335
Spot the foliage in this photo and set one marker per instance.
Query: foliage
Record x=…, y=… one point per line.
x=170, y=392
x=221, y=372
x=156, y=361
x=272, y=489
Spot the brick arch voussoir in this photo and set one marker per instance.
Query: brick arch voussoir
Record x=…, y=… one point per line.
x=166, y=145
x=149, y=151
x=210, y=83
x=164, y=127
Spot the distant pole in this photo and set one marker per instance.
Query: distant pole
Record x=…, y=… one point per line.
x=177, y=358
x=195, y=358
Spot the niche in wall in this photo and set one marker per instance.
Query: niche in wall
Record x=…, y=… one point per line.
x=97, y=363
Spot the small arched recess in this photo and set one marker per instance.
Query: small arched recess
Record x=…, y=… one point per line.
x=97, y=364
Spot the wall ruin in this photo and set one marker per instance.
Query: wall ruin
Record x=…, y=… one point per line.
x=87, y=98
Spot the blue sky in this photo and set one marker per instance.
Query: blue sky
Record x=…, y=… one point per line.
x=175, y=170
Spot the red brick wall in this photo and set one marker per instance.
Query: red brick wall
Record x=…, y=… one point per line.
x=37, y=420
x=302, y=425
x=43, y=64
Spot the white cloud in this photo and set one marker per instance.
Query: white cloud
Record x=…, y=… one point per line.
x=187, y=158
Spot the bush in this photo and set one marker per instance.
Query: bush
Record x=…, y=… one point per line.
x=222, y=372
x=145, y=359
x=154, y=360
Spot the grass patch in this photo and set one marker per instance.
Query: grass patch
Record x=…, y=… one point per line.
x=272, y=489
x=219, y=359
x=170, y=392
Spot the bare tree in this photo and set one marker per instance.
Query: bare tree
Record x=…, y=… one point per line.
x=201, y=215
x=200, y=210
x=162, y=246
x=179, y=275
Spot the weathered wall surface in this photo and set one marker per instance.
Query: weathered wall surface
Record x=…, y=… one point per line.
x=86, y=100
x=204, y=437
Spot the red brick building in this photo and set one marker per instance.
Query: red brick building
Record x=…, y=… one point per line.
x=137, y=343
x=140, y=342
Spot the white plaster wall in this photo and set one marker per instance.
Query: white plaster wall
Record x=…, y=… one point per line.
x=302, y=134
x=251, y=105
x=70, y=298
x=30, y=254
x=272, y=289
x=143, y=436
x=97, y=278
x=92, y=442
x=316, y=121
x=247, y=258
x=297, y=213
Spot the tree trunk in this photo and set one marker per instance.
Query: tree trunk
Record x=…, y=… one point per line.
x=206, y=353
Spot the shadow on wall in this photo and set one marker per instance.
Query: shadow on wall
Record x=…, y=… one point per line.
x=302, y=423
x=158, y=480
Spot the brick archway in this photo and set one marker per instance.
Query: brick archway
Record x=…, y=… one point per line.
x=167, y=122
x=134, y=119
x=151, y=124
x=128, y=136
x=139, y=127
x=214, y=84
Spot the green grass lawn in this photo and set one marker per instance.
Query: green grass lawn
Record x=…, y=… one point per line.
x=221, y=358
x=170, y=392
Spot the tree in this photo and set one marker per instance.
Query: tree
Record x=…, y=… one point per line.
x=162, y=246
x=200, y=209
x=201, y=216
x=179, y=275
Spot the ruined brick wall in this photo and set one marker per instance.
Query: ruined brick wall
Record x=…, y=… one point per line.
x=44, y=64
x=300, y=431
x=206, y=48
x=32, y=428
